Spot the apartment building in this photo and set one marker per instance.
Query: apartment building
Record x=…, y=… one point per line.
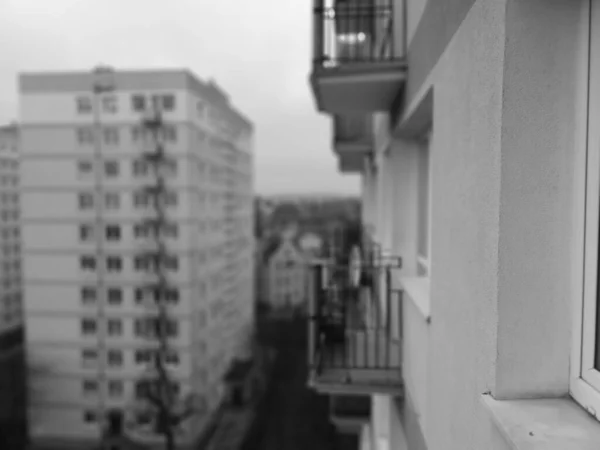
x=473, y=125
x=86, y=216
x=12, y=385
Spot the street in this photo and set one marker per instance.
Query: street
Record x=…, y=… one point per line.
x=294, y=417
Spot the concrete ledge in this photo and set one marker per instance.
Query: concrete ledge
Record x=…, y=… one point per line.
x=417, y=291
x=544, y=424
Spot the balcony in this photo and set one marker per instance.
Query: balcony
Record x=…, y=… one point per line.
x=355, y=345
x=352, y=133
x=351, y=163
x=359, y=62
x=348, y=413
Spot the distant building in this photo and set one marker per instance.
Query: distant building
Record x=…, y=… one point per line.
x=86, y=209
x=12, y=377
x=285, y=271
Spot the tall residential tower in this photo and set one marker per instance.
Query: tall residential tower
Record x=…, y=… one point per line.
x=84, y=205
x=12, y=385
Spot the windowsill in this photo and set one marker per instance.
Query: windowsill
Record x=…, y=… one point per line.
x=544, y=424
x=417, y=289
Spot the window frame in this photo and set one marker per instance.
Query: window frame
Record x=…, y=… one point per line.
x=424, y=261
x=584, y=383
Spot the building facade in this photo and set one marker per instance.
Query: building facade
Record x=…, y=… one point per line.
x=285, y=274
x=83, y=208
x=12, y=377
x=473, y=126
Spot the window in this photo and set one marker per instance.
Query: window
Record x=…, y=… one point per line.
x=84, y=168
x=140, y=263
x=137, y=133
x=172, y=358
x=115, y=388
x=585, y=359
x=171, y=230
x=111, y=136
x=86, y=200
x=200, y=108
x=114, y=296
x=114, y=263
x=170, y=133
x=89, y=387
x=109, y=104
x=89, y=357
x=172, y=165
x=85, y=136
x=113, y=232
x=172, y=296
x=88, y=326
x=88, y=295
x=138, y=102
x=424, y=207
x=87, y=263
x=169, y=102
x=140, y=168
x=111, y=168
x=140, y=230
x=172, y=263
x=86, y=232
x=142, y=356
x=84, y=105
x=165, y=102
x=140, y=199
x=115, y=358
x=114, y=327
x=112, y=200
x=90, y=417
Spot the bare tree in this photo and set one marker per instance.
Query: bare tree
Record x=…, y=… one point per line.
x=158, y=387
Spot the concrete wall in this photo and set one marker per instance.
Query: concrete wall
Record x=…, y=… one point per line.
x=503, y=77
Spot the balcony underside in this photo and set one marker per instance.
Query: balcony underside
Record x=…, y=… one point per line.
x=351, y=162
x=361, y=87
x=352, y=133
x=348, y=413
x=365, y=364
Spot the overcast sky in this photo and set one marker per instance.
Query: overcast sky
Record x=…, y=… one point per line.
x=259, y=51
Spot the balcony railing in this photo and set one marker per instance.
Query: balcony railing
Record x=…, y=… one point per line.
x=354, y=329
x=354, y=31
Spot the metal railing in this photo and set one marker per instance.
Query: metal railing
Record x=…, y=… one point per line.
x=352, y=31
x=354, y=327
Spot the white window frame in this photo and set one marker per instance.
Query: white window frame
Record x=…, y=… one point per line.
x=424, y=261
x=584, y=378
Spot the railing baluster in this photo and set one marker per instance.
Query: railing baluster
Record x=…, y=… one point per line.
x=388, y=306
